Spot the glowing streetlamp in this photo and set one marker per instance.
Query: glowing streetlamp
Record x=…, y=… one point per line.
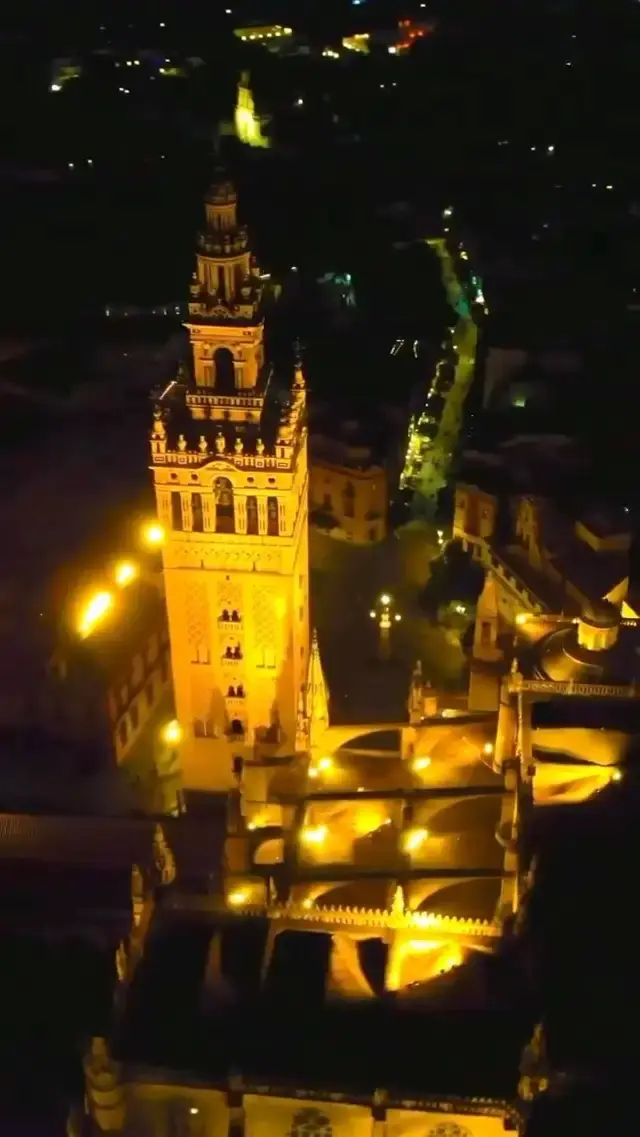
x=420, y=764
x=384, y=615
x=172, y=733
x=314, y=835
x=414, y=839
x=124, y=573
x=152, y=534
x=94, y=612
x=238, y=897
x=323, y=766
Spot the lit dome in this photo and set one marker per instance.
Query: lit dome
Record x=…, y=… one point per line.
x=602, y=614
x=591, y=650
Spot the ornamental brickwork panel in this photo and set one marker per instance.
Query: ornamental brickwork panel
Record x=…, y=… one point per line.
x=198, y=618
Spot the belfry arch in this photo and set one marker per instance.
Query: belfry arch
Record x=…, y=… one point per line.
x=225, y=510
x=224, y=372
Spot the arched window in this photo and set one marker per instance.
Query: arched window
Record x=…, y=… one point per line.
x=236, y=727
x=273, y=525
x=310, y=1123
x=176, y=510
x=197, y=522
x=225, y=516
x=349, y=500
x=225, y=372
x=252, y=515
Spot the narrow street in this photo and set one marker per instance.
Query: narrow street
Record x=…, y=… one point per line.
x=434, y=473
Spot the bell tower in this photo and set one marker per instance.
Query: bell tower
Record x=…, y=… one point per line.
x=229, y=462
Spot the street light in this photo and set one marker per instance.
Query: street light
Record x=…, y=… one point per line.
x=321, y=767
x=314, y=835
x=414, y=839
x=153, y=534
x=238, y=897
x=421, y=764
x=383, y=615
x=172, y=733
x=94, y=612
x=124, y=573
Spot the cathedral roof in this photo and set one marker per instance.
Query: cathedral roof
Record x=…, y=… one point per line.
x=561, y=658
x=285, y=1032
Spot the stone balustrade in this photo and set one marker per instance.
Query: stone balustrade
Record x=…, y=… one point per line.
x=337, y=915
x=242, y=461
x=584, y=690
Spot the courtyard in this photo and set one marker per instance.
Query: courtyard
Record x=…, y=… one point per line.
x=346, y=581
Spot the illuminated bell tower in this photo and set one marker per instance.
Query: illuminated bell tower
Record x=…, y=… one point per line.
x=229, y=461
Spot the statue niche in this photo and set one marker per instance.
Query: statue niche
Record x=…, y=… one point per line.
x=224, y=372
x=225, y=511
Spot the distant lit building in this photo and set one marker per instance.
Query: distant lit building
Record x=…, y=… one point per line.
x=396, y=40
x=266, y=34
x=544, y=561
x=102, y=690
x=358, y=43
x=348, y=495
x=565, y=689
x=247, y=126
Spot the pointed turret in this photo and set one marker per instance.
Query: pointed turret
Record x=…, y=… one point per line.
x=485, y=671
x=485, y=638
x=317, y=695
x=415, y=702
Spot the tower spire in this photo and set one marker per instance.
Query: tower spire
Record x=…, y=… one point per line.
x=485, y=636
x=317, y=695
